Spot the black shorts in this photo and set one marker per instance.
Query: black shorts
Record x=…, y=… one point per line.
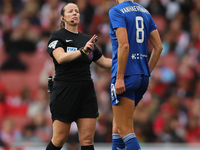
x=70, y=101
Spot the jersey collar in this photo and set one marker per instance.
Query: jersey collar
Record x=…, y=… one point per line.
x=72, y=32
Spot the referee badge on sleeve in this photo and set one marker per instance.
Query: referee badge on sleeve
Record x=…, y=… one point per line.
x=90, y=55
x=53, y=44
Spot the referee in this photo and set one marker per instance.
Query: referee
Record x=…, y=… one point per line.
x=73, y=96
x=131, y=26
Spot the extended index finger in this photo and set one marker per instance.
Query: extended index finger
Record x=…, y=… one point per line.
x=93, y=38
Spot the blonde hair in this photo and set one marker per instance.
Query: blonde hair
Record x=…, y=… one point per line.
x=62, y=23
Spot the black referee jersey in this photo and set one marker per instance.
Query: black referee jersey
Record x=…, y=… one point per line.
x=78, y=69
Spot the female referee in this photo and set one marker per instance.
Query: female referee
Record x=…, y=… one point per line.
x=73, y=96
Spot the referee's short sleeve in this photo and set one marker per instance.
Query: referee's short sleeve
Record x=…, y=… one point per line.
x=54, y=42
x=97, y=54
x=117, y=18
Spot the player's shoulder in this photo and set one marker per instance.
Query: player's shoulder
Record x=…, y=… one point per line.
x=141, y=8
x=115, y=9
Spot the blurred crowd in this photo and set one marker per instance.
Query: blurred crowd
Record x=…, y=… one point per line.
x=170, y=109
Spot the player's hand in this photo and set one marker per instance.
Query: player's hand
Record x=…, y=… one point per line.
x=120, y=86
x=90, y=44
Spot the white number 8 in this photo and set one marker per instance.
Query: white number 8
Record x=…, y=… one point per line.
x=139, y=29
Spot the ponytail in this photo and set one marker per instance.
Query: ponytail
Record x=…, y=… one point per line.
x=62, y=25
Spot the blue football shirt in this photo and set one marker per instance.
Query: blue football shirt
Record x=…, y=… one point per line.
x=139, y=23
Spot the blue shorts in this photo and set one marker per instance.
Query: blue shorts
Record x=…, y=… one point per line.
x=136, y=86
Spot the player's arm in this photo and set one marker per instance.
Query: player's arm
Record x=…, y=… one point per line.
x=155, y=40
x=104, y=62
x=123, y=51
x=62, y=57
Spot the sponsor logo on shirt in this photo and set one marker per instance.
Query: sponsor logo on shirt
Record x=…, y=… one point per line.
x=68, y=40
x=71, y=49
x=138, y=56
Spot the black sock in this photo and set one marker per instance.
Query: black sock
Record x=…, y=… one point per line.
x=90, y=147
x=50, y=146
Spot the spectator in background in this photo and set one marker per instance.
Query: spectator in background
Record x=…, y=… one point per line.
x=19, y=40
x=86, y=14
x=7, y=20
x=17, y=105
x=29, y=136
x=42, y=128
x=32, y=12
x=8, y=133
x=22, y=38
x=49, y=12
x=3, y=108
x=155, y=7
x=180, y=37
x=40, y=104
x=193, y=130
x=195, y=32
